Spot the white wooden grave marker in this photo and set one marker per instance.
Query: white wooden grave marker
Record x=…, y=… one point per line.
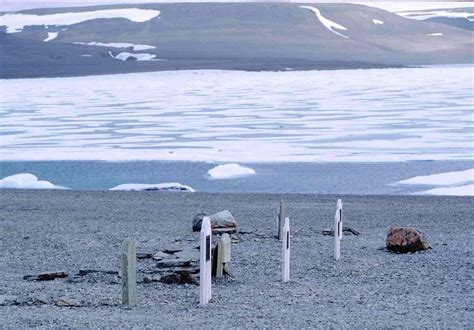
x=338, y=230
x=286, y=251
x=205, y=262
x=129, y=273
x=280, y=221
x=223, y=254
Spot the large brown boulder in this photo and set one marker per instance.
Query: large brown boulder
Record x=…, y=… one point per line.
x=405, y=239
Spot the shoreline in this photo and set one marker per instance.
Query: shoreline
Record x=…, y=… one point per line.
x=73, y=230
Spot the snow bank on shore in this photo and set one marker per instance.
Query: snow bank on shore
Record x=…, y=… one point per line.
x=26, y=181
x=172, y=186
x=229, y=171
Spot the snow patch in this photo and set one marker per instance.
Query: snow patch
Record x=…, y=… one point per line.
x=442, y=179
x=229, y=171
x=423, y=15
x=377, y=22
x=16, y=22
x=172, y=186
x=435, y=34
x=51, y=36
x=330, y=25
x=466, y=190
x=138, y=57
x=26, y=181
x=135, y=47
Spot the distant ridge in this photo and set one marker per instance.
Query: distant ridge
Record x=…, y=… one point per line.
x=233, y=36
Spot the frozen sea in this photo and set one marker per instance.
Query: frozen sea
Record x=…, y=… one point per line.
x=380, y=125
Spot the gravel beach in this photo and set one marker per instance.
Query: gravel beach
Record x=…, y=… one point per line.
x=368, y=287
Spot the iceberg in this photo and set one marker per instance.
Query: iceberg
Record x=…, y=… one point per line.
x=229, y=171
x=26, y=181
x=171, y=186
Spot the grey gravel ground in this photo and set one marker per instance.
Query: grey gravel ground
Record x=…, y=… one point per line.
x=369, y=287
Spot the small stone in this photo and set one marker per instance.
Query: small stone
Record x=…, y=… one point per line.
x=68, y=302
x=161, y=255
x=179, y=277
x=142, y=255
x=405, y=239
x=8, y=300
x=173, y=263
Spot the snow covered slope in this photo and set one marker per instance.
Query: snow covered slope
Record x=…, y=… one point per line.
x=246, y=36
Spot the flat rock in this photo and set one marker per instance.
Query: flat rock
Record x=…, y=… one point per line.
x=179, y=277
x=405, y=239
x=345, y=230
x=68, y=302
x=48, y=276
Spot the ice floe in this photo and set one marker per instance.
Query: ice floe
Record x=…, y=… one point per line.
x=330, y=25
x=464, y=190
x=26, y=181
x=229, y=171
x=135, y=47
x=16, y=22
x=124, y=56
x=51, y=36
x=377, y=22
x=442, y=179
x=172, y=186
x=435, y=34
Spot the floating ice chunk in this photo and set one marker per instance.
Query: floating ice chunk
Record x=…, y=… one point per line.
x=86, y=55
x=377, y=22
x=442, y=179
x=138, y=57
x=229, y=171
x=26, y=181
x=330, y=25
x=16, y=22
x=465, y=190
x=135, y=47
x=51, y=36
x=435, y=34
x=172, y=186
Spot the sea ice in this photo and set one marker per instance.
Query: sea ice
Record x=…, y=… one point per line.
x=172, y=186
x=51, y=36
x=442, y=179
x=435, y=34
x=465, y=190
x=377, y=22
x=16, y=22
x=330, y=25
x=26, y=181
x=229, y=171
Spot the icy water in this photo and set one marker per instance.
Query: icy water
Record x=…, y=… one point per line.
x=330, y=178
x=313, y=116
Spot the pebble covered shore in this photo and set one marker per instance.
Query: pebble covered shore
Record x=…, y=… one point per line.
x=368, y=287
